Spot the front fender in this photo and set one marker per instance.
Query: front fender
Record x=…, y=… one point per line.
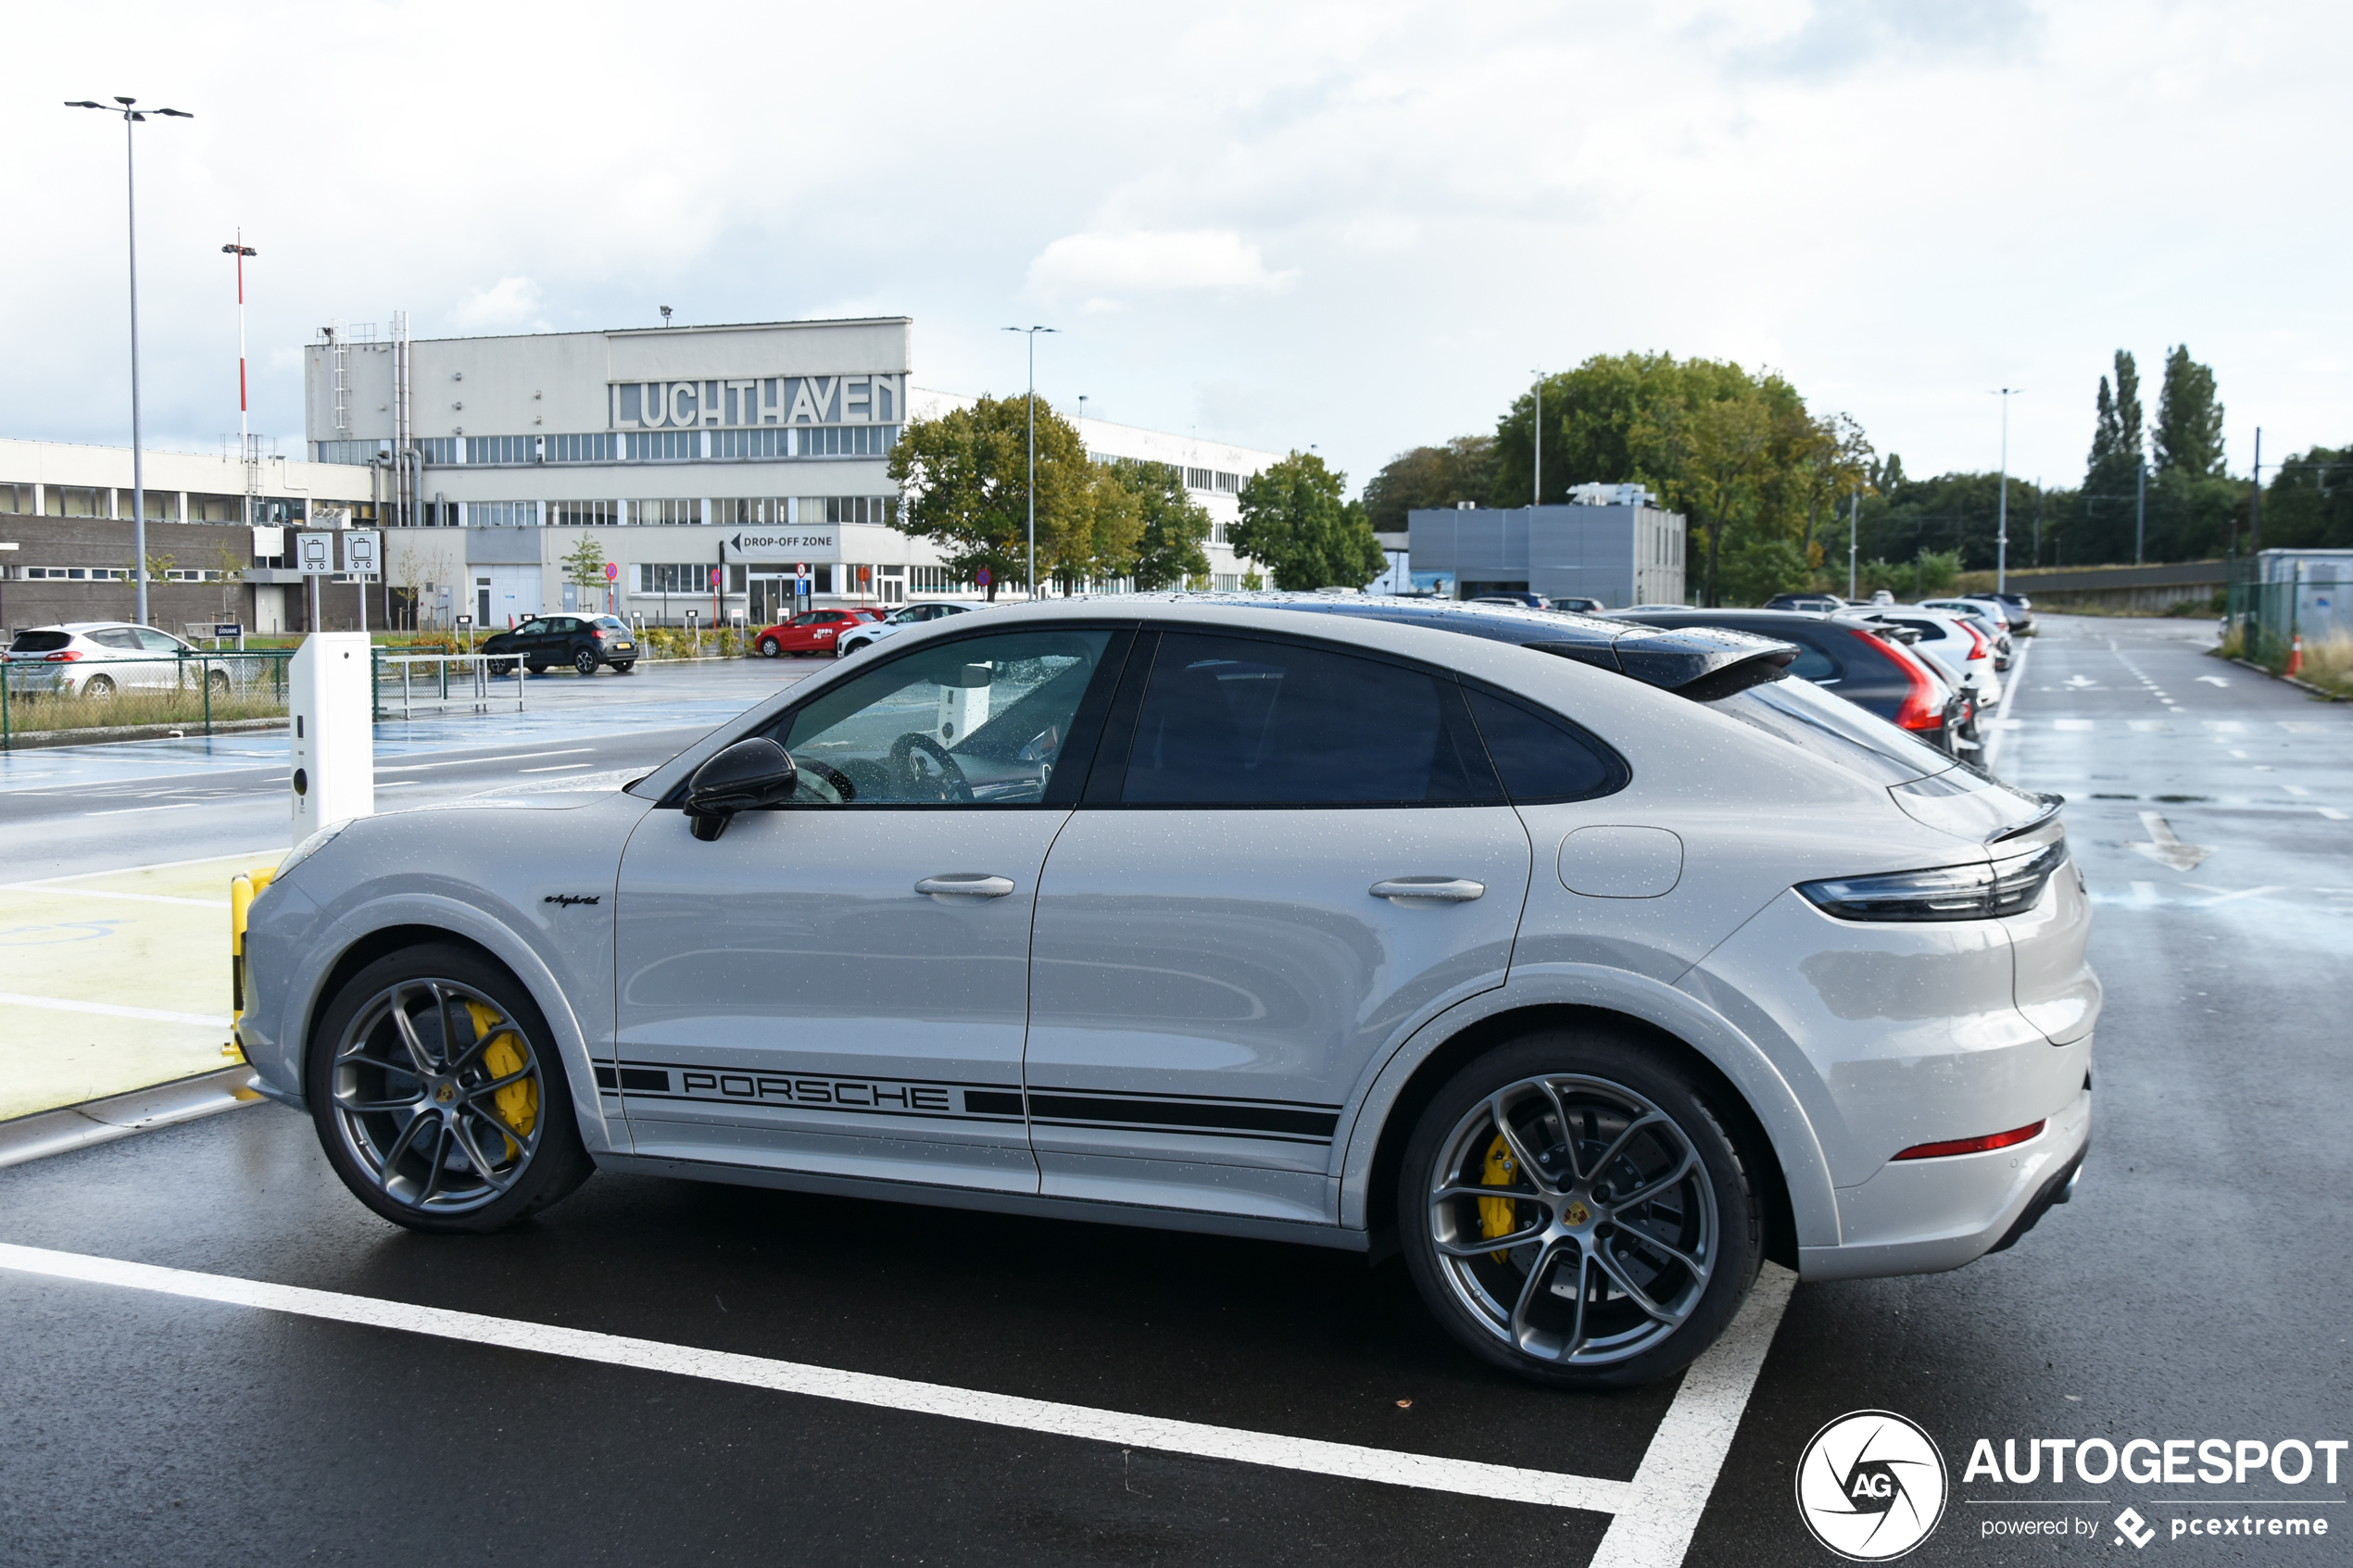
x=1805, y=1171
x=307, y=981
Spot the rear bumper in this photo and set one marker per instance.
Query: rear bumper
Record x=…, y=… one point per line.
x=1924, y=1216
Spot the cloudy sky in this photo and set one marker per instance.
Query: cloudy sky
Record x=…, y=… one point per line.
x=1357, y=226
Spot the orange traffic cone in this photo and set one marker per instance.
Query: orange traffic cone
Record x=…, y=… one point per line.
x=2295, y=655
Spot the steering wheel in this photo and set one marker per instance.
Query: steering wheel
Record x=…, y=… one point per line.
x=952, y=785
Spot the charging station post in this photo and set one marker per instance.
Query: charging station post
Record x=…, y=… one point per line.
x=331, y=713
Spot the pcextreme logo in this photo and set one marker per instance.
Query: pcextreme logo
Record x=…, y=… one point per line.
x=1871, y=1485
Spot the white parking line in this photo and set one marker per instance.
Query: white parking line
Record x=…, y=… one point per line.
x=138, y=897
x=128, y=810
x=470, y=762
x=109, y=1010
x=1658, y=1511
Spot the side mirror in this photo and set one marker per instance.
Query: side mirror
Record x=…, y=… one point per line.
x=746, y=775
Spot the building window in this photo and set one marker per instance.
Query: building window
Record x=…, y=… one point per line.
x=1217, y=534
x=584, y=514
x=502, y=514
x=216, y=508
x=502, y=449
x=731, y=510
x=1229, y=483
x=76, y=500
x=675, y=577
x=883, y=510
x=277, y=510
x=846, y=441
x=359, y=452
x=665, y=513
x=17, y=498
x=1226, y=582
x=1197, y=479
x=770, y=443
x=583, y=449
x=438, y=450
x=936, y=580
x=661, y=445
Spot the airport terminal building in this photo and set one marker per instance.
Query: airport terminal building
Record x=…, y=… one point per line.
x=712, y=465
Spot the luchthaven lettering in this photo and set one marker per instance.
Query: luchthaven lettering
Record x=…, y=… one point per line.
x=760, y=400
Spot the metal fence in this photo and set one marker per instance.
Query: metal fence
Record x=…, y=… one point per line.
x=2315, y=603
x=404, y=682
x=42, y=691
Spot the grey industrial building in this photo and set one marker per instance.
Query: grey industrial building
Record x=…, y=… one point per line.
x=1623, y=553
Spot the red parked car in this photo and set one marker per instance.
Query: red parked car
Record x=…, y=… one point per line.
x=813, y=630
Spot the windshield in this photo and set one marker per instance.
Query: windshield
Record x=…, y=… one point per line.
x=1834, y=730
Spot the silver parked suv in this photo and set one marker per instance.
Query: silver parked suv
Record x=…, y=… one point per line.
x=1589, y=963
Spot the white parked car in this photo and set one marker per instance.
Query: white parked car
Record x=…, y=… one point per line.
x=1955, y=641
x=96, y=659
x=921, y=613
x=1989, y=616
x=1589, y=963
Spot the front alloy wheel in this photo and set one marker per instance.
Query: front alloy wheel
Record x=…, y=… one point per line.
x=438, y=1099
x=1582, y=1219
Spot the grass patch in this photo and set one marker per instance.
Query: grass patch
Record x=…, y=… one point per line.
x=27, y=714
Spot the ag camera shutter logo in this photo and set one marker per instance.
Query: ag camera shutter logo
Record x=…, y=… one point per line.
x=1871, y=1485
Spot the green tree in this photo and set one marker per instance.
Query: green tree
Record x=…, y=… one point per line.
x=1294, y=522
x=1463, y=470
x=964, y=479
x=585, y=567
x=1105, y=549
x=2116, y=431
x=2189, y=421
x=2308, y=504
x=1174, y=526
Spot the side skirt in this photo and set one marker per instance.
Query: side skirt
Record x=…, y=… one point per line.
x=1088, y=1210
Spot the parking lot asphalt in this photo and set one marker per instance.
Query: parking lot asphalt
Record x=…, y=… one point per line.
x=2193, y=1290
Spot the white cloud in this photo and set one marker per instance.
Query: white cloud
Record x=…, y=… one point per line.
x=1131, y=261
x=510, y=302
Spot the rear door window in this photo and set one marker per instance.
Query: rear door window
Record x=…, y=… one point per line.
x=1243, y=722
x=120, y=637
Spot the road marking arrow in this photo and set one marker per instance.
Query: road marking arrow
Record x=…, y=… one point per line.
x=2164, y=848
x=2081, y=682
x=2214, y=680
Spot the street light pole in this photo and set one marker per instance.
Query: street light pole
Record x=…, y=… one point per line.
x=244, y=439
x=2002, y=529
x=1536, y=497
x=133, y=116
x=1031, y=333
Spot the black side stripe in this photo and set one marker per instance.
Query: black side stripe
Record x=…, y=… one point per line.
x=1175, y=1113
x=637, y=1080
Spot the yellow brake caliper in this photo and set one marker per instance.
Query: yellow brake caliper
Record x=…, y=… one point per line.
x=517, y=1103
x=1498, y=1216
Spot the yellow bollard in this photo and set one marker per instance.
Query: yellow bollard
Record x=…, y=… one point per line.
x=243, y=889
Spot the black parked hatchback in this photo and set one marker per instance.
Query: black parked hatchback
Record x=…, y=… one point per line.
x=582, y=641
x=1851, y=657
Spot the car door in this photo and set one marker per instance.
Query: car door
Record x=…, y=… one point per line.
x=840, y=985
x=124, y=660
x=1290, y=857
x=163, y=665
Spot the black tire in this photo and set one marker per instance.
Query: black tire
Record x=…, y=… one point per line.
x=1591, y=1333
x=502, y=667
x=535, y=667
x=98, y=688
x=357, y=1101
x=770, y=648
x=218, y=681
x=622, y=667
x=584, y=661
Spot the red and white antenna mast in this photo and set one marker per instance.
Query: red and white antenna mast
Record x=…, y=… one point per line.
x=244, y=438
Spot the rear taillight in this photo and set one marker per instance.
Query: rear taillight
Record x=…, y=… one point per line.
x=1979, y=646
x=1923, y=705
x=64, y=656
x=1972, y=1146
x=2009, y=885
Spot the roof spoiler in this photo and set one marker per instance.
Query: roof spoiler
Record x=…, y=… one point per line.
x=1701, y=663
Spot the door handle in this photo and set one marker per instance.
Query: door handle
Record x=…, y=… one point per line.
x=1436, y=889
x=965, y=885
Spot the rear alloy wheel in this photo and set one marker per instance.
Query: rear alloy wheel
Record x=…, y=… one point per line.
x=1573, y=1211
x=218, y=681
x=98, y=688
x=770, y=648
x=584, y=661
x=439, y=1096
